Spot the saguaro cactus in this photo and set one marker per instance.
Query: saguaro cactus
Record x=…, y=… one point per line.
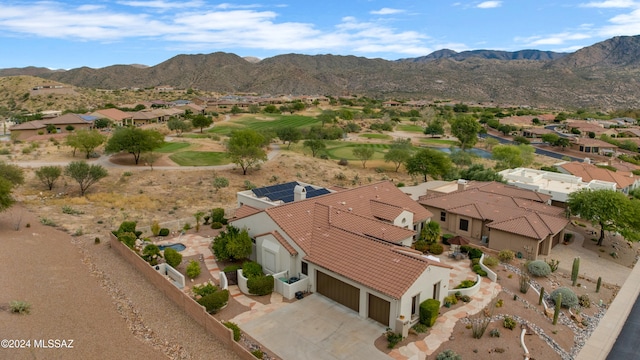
x=556, y=312
x=574, y=270
x=541, y=295
x=598, y=284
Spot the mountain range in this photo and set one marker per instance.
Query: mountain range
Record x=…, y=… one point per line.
x=605, y=75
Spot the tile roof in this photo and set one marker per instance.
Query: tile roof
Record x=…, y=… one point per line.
x=339, y=232
x=375, y=264
x=590, y=172
x=244, y=211
x=66, y=119
x=594, y=142
x=113, y=114
x=522, y=212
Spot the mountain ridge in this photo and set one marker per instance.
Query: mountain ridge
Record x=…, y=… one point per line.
x=604, y=75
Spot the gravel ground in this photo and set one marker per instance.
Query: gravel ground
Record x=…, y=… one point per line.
x=82, y=291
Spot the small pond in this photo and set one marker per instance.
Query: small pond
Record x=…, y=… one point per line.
x=479, y=152
x=176, y=247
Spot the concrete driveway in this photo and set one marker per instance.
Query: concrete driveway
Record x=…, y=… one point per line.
x=317, y=328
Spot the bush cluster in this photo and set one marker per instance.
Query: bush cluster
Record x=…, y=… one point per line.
x=506, y=255
x=260, y=285
x=490, y=261
x=436, y=249
x=128, y=238
x=163, y=232
x=448, y=355
x=193, y=269
x=235, y=328
x=539, y=268
x=251, y=269
x=478, y=270
x=204, y=290
x=429, y=310
x=466, y=284
x=421, y=245
x=214, y=302
x=569, y=298
x=173, y=257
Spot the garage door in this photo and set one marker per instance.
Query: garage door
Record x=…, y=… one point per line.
x=339, y=291
x=379, y=309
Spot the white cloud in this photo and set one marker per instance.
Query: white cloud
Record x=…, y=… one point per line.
x=611, y=4
x=623, y=24
x=161, y=4
x=489, y=4
x=553, y=39
x=386, y=11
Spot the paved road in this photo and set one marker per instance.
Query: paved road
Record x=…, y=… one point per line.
x=626, y=345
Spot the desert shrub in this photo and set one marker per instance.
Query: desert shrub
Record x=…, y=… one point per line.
x=465, y=298
x=19, y=307
x=128, y=239
x=217, y=215
x=251, y=269
x=66, y=209
x=155, y=228
x=186, y=227
x=506, y=255
x=490, y=261
x=475, y=261
x=150, y=253
x=539, y=268
x=421, y=246
x=126, y=226
x=343, y=162
x=173, y=257
x=216, y=225
x=446, y=237
x=584, y=301
x=475, y=253
x=260, y=285
x=429, y=310
x=466, y=284
x=494, y=333
x=436, y=249
x=420, y=328
x=193, y=269
x=235, y=328
x=204, y=290
x=392, y=338
x=214, y=302
x=509, y=323
x=450, y=300
x=163, y=232
x=569, y=298
x=448, y=355
x=257, y=353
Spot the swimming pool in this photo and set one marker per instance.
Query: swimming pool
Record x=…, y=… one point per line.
x=176, y=247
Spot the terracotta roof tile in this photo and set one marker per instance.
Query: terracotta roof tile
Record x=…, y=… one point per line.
x=245, y=210
x=590, y=172
x=281, y=240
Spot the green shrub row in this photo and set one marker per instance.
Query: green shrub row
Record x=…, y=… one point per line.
x=236, y=329
x=260, y=285
x=214, y=302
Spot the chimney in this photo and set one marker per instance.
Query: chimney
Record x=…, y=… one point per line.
x=299, y=193
x=462, y=184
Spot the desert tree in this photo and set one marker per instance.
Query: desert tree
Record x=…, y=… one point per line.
x=149, y=158
x=201, y=121
x=609, y=209
x=10, y=177
x=315, y=145
x=428, y=162
x=48, y=175
x=513, y=156
x=85, y=140
x=246, y=149
x=178, y=125
x=220, y=182
x=399, y=152
x=363, y=153
x=289, y=135
x=84, y=174
x=135, y=141
x=465, y=128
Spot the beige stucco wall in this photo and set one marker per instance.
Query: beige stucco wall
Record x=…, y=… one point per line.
x=500, y=240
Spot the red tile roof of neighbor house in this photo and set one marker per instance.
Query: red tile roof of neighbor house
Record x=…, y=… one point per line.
x=590, y=172
x=66, y=119
x=593, y=142
x=113, y=114
x=518, y=211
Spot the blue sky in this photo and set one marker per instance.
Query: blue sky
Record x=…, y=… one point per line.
x=70, y=34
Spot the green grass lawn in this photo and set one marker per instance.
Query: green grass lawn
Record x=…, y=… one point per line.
x=276, y=122
x=344, y=150
x=410, y=128
x=199, y=158
x=170, y=147
x=195, y=136
x=377, y=136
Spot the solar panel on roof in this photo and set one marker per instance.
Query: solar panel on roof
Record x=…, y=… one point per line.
x=287, y=199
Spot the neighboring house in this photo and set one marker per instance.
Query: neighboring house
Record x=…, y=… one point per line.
x=625, y=181
x=585, y=127
x=193, y=108
x=557, y=185
x=500, y=216
x=117, y=117
x=140, y=118
x=38, y=127
x=352, y=247
x=536, y=132
x=593, y=146
x=629, y=132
